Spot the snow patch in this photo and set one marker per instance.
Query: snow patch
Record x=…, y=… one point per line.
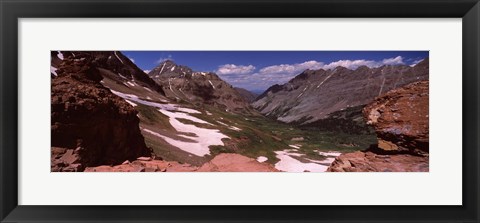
x=162, y=68
x=230, y=127
x=135, y=98
x=295, y=146
x=130, y=83
x=182, y=115
x=168, y=107
x=330, y=153
x=188, y=110
x=131, y=103
x=148, y=89
x=333, y=72
x=53, y=70
x=119, y=74
x=211, y=84
x=262, y=159
x=235, y=128
x=289, y=164
x=60, y=55
x=115, y=52
x=203, y=137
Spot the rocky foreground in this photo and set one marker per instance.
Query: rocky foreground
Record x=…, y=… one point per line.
x=400, y=120
x=225, y=162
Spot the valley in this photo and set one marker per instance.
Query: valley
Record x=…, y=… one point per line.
x=195, y=119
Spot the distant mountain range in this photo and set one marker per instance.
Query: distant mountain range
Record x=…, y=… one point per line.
x=316, y=95
x=246, y=94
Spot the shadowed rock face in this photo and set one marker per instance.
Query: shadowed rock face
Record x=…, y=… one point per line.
x=400, y=120
x=90, y=126
x=316, y=94
x=182, y=83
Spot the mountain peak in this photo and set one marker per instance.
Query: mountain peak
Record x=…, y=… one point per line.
x=169, y=67
x=168, y=62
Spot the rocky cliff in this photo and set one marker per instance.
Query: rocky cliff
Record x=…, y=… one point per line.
x=90, y=126
x=400, y=119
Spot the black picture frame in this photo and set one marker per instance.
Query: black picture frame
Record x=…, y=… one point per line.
x=12, y=10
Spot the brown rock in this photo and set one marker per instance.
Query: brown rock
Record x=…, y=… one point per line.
x=400, y=118
x=231, y=162
x=145, y=166
x=371, y=162
x=94, y=126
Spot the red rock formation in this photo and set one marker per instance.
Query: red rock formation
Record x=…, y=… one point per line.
x=400, y=120
x=225, y=162
x=144, y=165
x=231, y=162
x=373, y=162
x=90, y=125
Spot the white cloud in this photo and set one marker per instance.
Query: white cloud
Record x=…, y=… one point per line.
x=227, y=69
x=291, y=68
x=351, y=64
x=354, y=64
x=416, y=62
x=133, y=61
x=146, y=71
x=243, y=76
x=393, y=61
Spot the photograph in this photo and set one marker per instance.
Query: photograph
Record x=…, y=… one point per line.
x=239, y=111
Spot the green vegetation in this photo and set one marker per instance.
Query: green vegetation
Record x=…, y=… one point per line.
x=249, y=135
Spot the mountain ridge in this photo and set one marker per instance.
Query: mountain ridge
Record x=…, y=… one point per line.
x=182, y=83
x=315, y=94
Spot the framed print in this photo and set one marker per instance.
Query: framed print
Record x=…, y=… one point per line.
x=270, y=111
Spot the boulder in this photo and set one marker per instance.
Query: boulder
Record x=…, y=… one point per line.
x=371, y=162
x=231, y=162
x=400, y=119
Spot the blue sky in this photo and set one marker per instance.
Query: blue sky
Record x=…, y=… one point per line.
x=258, y=70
